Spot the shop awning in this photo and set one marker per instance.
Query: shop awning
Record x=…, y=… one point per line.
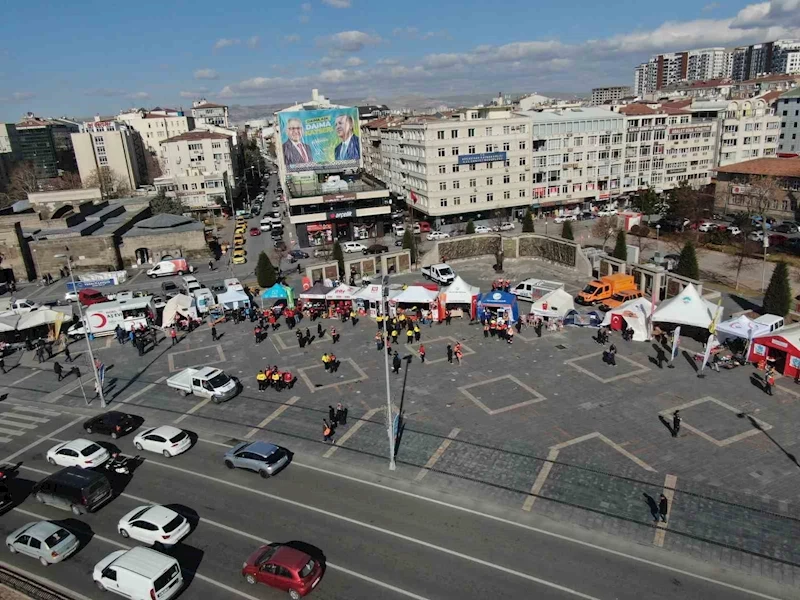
x=460, y=292
x=416, y=294
x=233, y=299
x=369, y=292
x=341, y=292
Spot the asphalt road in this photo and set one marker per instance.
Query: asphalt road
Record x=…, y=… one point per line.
x=377, y=541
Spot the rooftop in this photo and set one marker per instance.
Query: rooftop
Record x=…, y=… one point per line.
x=792, y=93
x=775, y=167
x=197, y=134
x=637, y=109
x=210, y=105
x=349, y=184
x=164, y=224
x=569, y=114
x=770, y=97
x=768, y=78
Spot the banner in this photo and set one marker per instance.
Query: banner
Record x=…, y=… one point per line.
x=320, y=140
x=676, y=340
x=707, y=354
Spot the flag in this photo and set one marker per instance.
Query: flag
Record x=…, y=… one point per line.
x=676, y=339
x=413, y=196
x=101, y=370
x=713, y=327
x=707, y=354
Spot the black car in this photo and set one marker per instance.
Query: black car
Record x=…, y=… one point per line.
x=376, y=249
x=280, y=245
x=276, y=233
x=275, y=204
x=169, y=289
x=298, y=254
x=113, y=423
x=399, y=242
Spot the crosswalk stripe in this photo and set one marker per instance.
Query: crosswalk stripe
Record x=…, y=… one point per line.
x=11, y=431
x=23, y=425
x=25, y=417
x=38, y=411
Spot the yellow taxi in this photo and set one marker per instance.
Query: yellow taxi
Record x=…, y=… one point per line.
x=240, y=228
x=238, y=241
x=239, y=257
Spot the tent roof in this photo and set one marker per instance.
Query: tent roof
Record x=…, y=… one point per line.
x=459, y=285
x=316, y=291
x=232, y=296
x=9, y=323
x=742, y=327
x=558, y=302
x=497, y=297
x=416, y=293
x=369, y=292
x=276, y=291
x=641, y=307
x=789, y=334
x=341, y=292
x=687, y=308
x=43, y=316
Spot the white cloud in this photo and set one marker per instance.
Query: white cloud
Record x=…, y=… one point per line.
x=22, y=96
x=388, y=62
x=226, y=42
x=253, y=41
x=415, y=34
x=292, y=38
x=353, y=61
x=350, y=41
x=206, y=74
x=139, y=96
x=194, y=94
x=337, y=3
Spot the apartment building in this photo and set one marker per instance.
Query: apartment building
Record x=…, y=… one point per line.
x=661, y=70
x=788, y=111
x=198, y=167
x=157, y=125
x=47, y=144
x=750, y=129
x=9, y=152
x=610, y=95
x=208, y=113
x=112, y=145
x=706, y=63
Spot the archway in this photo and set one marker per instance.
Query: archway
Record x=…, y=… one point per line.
x=62, y=212
x=142, y=256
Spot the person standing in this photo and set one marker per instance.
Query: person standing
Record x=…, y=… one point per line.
x=67, y=355
x=210, y=265
x=378, y=341
x=326, y=361
x=58, y=371
x=663, y=507
x=353, y=318
x=394, y=334
x=213, y=333
x=341, y=414
x=448, y=316
x=332, y=416
x=676, y=423
x=612, y=355
x=308, y=336
x=459, y=353
x=261, y=378
x=334, y=335
x=40, y=353
x=3, y=365
x=769, y=379
x=449, y=353
x=422, y=353
x=119, y=333
x=327, y=432
x=396, y=363
x=417, y=332
x=409, y=336
x=174, y=335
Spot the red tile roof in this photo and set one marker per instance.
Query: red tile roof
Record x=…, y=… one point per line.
x=767, y=78
x=775, y=167
x=197, y=134
x=637, y=109
x=770, y=97
x=33, y=122
x=210, y=105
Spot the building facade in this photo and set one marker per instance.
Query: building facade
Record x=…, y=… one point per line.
x=157, y=125
x=610, y=95
x=750, y=129
x=741, y=187
x=788, y=111
x=47, y=145
x=204, y=112
x=110, y=144
x=706, y=63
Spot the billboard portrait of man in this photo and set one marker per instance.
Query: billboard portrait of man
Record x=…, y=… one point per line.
x=349, y=147
x=295, y=150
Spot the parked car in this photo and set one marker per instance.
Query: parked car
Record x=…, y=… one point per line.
x=707, y=227
x=298, y=254
x=77, y=453
x=113, y=423
x=323, y=253
x=756, y=236
x=376, y=249
x=262, y=457
x=400, y=230
x=348, y=247
x=139, y=573
x=48, y=542
x=733, y=230
x=438, y=235
x=254, y=231
x=507, y=226
x=279, y=245
x=239, y=256
x=88, y=296
x=283, y=567
x=483, y=229
x=564, y=218
x=166, y=439
x=170, y=289
x=154, y=525
x=785, y=228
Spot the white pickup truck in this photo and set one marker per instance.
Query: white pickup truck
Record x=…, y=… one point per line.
x=10, y=306
x=440, y=273
x=205, y=382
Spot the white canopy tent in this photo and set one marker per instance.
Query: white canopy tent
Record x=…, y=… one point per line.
x=233, y=299
x=369, y=292
x=742, y=327
x=43, y=316
x=557, y=303
x=459, y=292
x=635, y=312
x=341, y=292
x=177, y=305
x=416, y=294
x=687, y=308
x=9, y=323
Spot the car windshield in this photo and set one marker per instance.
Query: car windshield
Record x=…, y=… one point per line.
x=219, y=380
x=55, y=539
x=174, y=524
x=90, y=449
x=178, y=437
x=590, y=289
x=166, y=577
x=306, y=571
x=446, y=271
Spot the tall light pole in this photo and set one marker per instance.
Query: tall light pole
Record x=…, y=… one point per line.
x=389, y=416
x=86, y=327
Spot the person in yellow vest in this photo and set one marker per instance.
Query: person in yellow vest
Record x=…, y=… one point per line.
x=410, y=336
x=277, y=378
x=394, y=335
x=353, y=318
x=326, y=361
x=379, y=321
x=402, y=319
x=261, y=378
x=417, y=332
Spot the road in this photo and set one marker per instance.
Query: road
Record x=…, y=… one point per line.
x=378, y=541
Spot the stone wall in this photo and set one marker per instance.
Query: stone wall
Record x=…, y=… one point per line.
x=465, y=247
x=89, y=253
x=189, y=244
x=11, y=253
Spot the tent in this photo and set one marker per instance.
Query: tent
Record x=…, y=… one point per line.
x=44, y=316
x=9, y=323
x=496, y=301
x=415, y=294
x=459, y=293
x=687, y=308
x=178, y=305
x=369, y=299
x=315, y=292
x=557, y=303
x=341, y=292
x=634, y=314
x=781, y=348
x=743, y=327
x=279, y=292
x=234, y=299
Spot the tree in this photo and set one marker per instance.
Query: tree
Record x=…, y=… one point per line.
x=778, y=297
x=687, y=263
x=338, y=256
x=68, y=181
x=497, y=219
x=745, y=247
x=621, y=247
x=22, y=181
x=408, y=243
x=566, y=231
x=265, y=271
x=152, y=166
x=688, y=203
x=163, y=204
x=604, y=228
x=470, y=227
x=647, y=202
x=527, y=222
x=111, y=184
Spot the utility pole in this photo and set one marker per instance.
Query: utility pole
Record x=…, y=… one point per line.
x=389, y=415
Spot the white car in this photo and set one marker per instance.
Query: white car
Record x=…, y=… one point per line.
x=77, y=453
x=707, y=227
x=607, y=212
x=154, y=525
x=71, y=296
x=565, y=218
x=482, y=229
x=757, y=236
x=438, y=235
x=400, y=231
x=349, y=247
x=166, y=440
x=734, y=230
x=507, y=226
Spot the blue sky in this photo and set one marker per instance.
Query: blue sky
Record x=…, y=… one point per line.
x=85, y=57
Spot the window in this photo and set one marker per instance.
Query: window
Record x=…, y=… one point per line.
x=441, y=152
x=473, y=182
x=490, y=181
x=470, y=132
x=506, y=195
x=218, y=157
x=522, y=193
x=216, y=145
x=456, y=168
x=522, y=145
x=577, y=157
x=453, y=134
x=456, y=201
x=506, y=178
x=506, y=147
x=553, y=175
x=442, y=186
x=195, y=146
x=605, y=140
x=522, y=162
x=443, y=203
x=577, y=142
x=471, y=150
x=592, y=140
x=506, y=129
x=473, y=199
x=490, y=197
x=488, y=131
x=440, y=135
x=489, y=147
x=456, y=185
x=472, y=167
x=522, y=177
x=442, y=169
x=454, y=150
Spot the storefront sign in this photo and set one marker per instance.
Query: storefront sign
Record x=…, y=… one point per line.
x=695, y=129
x=471, y=159
x=341, y=214
x=315, y=227
x=338, y=197
x=672, y=171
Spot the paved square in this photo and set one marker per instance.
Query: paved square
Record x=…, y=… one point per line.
x=438, y=347
x=196, y=357
x=718, y=421
x=498, y=395
x=594, y=365
x=349, y=372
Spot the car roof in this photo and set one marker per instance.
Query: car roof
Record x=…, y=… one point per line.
x=290, y=557
x=144, y=561
x=43, y=529
x=159, y=515
x=77, y=444
x=262, y=448
x=167, y=431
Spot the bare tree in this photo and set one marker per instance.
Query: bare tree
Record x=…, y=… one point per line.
x=604, y=228
x=23, y=181
x=111, y=184
x=689, y=203
x=68, y=181
x=497, y=218
x=746, y=249
x=153, y=166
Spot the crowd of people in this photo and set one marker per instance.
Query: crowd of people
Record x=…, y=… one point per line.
x=274, y=378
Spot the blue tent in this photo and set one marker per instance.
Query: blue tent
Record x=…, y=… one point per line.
x=277, y=292
x=494, y=301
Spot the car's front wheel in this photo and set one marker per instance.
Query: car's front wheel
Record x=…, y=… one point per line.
x=250, y=578
x=263, y=474
x=12, y=549
x=294, y=594
x=229, y=464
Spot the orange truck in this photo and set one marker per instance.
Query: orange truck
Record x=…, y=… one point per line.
x=605, y=287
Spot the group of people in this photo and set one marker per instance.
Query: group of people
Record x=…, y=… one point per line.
x=456, y=351
x=501, y=285
x=330, y=362
x=499, y=328
x=273, y=377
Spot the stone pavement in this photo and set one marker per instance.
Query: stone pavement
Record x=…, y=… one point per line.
x=541, y=425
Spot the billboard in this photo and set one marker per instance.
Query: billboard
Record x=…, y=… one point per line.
x=471, y=159
x=320, y=140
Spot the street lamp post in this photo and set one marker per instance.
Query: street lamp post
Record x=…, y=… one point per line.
x=86, y=326
x=389, y=418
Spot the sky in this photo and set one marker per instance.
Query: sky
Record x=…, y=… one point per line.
x=90, y=57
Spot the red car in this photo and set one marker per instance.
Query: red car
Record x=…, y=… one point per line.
x=88, y=296
x=255, y=231
x=285, y=568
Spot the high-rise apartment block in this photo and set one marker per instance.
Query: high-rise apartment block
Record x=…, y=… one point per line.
x=47, y=145
x=610, y=95
x=205, y=112
x=788, y=111
x=108, y=144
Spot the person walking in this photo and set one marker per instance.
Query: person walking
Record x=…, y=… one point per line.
x=341, y=414
x=378, y=341
x=485, y=329
x=663, y=507
x=379, y=321
x=120, y=334
x=396, y=363
x=210, y=265
x=676, y=423
x=769, y=379
x=417, y=332
x=308, y=336
x=459, y=353
x=58, y=371
x=257, y=334
x=332, y=416
x=40, y=353
x=448, y=316
x=67, y=355
x=173, y=333
x=449, y=353
x=213, y=333
x=334, y=335
x=394, y=334
x=353, y=318
x=327, y=432
x=422, y=353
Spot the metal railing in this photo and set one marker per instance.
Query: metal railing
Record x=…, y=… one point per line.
x=29, y=587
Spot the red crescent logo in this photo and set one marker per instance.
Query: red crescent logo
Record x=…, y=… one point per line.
x=103, y=320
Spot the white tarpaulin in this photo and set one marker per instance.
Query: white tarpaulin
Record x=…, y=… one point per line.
x=416, y=294
x=557, y=303
x=341, y=292
x=687, y=308
x=233, y=299
x=635, y=313
x=9, y=323
x=742, y=327
x=459, y=292
x=177, y=305
x=43, y=316
x=369, y=292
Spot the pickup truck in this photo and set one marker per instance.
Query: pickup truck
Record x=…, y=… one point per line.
x=17, y=307
x=205, y=382
x=440, y=273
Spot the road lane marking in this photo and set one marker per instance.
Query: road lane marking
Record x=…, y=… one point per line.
x=669, y=492
x=21, y=425
x=541, y=477
x=351, y=432
x=12, y=431
x=275, y=414
x=24, y=417
x=144, y=390
x=437, y=455
x=38, y=411
x=192, y=410
x=11, y=457
x=28, y=376
x=383, y=531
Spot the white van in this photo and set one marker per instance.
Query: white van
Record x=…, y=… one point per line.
x=191, y=284
x=172, y=266
x=104, y=317
x=139, y=573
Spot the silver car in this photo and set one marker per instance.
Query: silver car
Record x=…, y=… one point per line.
x=262, y=457
x=48, y=542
